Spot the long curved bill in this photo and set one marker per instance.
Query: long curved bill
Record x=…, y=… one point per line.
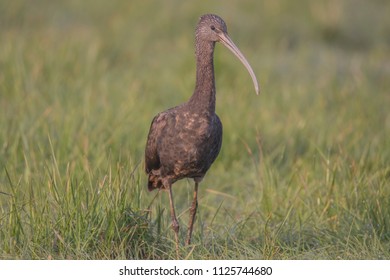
x=227, y=42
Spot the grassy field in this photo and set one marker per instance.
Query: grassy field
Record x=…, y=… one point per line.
x=304, y=171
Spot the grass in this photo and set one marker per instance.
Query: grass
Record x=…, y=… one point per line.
x=304, y=169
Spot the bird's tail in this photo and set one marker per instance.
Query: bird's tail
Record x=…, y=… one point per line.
x=154, y=182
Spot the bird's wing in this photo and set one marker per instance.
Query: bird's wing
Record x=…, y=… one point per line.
x=152, y=160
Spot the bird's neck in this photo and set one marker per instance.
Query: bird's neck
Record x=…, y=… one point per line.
x=203, y=98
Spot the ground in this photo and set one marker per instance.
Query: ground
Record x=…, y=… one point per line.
x=304, y=167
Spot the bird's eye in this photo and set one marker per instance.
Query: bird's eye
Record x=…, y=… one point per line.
x=212, y=27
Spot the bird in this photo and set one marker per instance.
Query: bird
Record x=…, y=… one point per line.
x=184, y=141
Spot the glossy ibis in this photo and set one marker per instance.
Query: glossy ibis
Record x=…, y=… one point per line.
x=185, y=140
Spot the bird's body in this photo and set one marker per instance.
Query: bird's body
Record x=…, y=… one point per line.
x=182, y=144
x=185, y=140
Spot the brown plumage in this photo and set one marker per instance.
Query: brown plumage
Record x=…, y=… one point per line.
x=185, y=140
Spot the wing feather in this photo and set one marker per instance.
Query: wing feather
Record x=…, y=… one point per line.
x=152, y=160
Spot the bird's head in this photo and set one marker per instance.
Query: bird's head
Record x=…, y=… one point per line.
x=212, y=28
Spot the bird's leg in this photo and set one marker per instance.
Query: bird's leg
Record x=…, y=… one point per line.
x=194, y=207
x=175, y=223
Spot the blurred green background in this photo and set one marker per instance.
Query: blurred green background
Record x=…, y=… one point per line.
x=304, y=167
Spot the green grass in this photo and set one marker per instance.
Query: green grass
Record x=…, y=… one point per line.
x=304, y=171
